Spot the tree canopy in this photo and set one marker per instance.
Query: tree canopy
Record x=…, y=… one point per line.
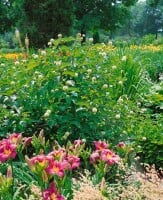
x=43, y=19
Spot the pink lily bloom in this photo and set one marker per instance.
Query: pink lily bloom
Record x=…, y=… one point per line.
x=27, y=141
x=58, y=154
x=56, y=168
x=121, y=145
x=73, y=162
x=100, y=145
x=15, y=138
x=94, y=157
x=78, y=143
x=38, y=163
x=7, y=150
x=51, y=193
x=109, y=157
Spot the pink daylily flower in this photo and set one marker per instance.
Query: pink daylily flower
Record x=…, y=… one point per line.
x=109, y=157
x=58, y=154
x=7, y=150
x=94, y=157
x=78, y=143
x=73, y=162
x=51, y=193
x=15, y=138
x=100, y=145
x=37, y=163
x=56, y=168
x=121, y=145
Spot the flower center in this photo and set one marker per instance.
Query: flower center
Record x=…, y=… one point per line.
x=55, y=169
x=42, y=163
x=7, y=152
x=109, y=156
x=53, y=196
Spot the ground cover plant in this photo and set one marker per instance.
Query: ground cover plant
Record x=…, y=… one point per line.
x=76, y=107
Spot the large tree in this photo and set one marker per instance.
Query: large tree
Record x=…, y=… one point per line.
x=44, y=19
x=148, y=17
x=101, y=14
x=5, y=15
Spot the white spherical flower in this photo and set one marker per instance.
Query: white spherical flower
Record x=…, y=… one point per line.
x=37, y=72
x=114, y=67
x=110, y=43
x=144, y=138
x=93, y=79
x=90, y=39
x=35, y=56
x=117, y=116
x=67, y=133
x=120, y=82
x=124, y=58
x=47, y=113
x=65, y=87
x=43, y=53
x=143, y=110
x=49, y=43
x=4, y=106
x=16, y=63
x=105, y=86
x=59, y=35
x=102, y=54
x=40, y=76
x=76, y=74
x=131, y=112
x=89, y=71
x=138, y=104
x=124, y=132
x=94, y=110
x=2, y=64
x=58, y=63
x=12, y=83
x=78, y=35
x=70, y=82
x=120, y=100
x=51, y=40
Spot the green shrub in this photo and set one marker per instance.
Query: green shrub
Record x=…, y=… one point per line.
x=148, y=39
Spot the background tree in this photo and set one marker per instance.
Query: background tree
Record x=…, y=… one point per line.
x=147, y=17
x=101, y=14
x=44, y=19
x=5, y=15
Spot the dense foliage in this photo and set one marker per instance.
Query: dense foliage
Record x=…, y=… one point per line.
x=90, y=92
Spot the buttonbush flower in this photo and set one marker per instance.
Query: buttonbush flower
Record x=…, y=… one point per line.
x=124, y=58
x=51, y=193
x=94, y=110
x=47, y=113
